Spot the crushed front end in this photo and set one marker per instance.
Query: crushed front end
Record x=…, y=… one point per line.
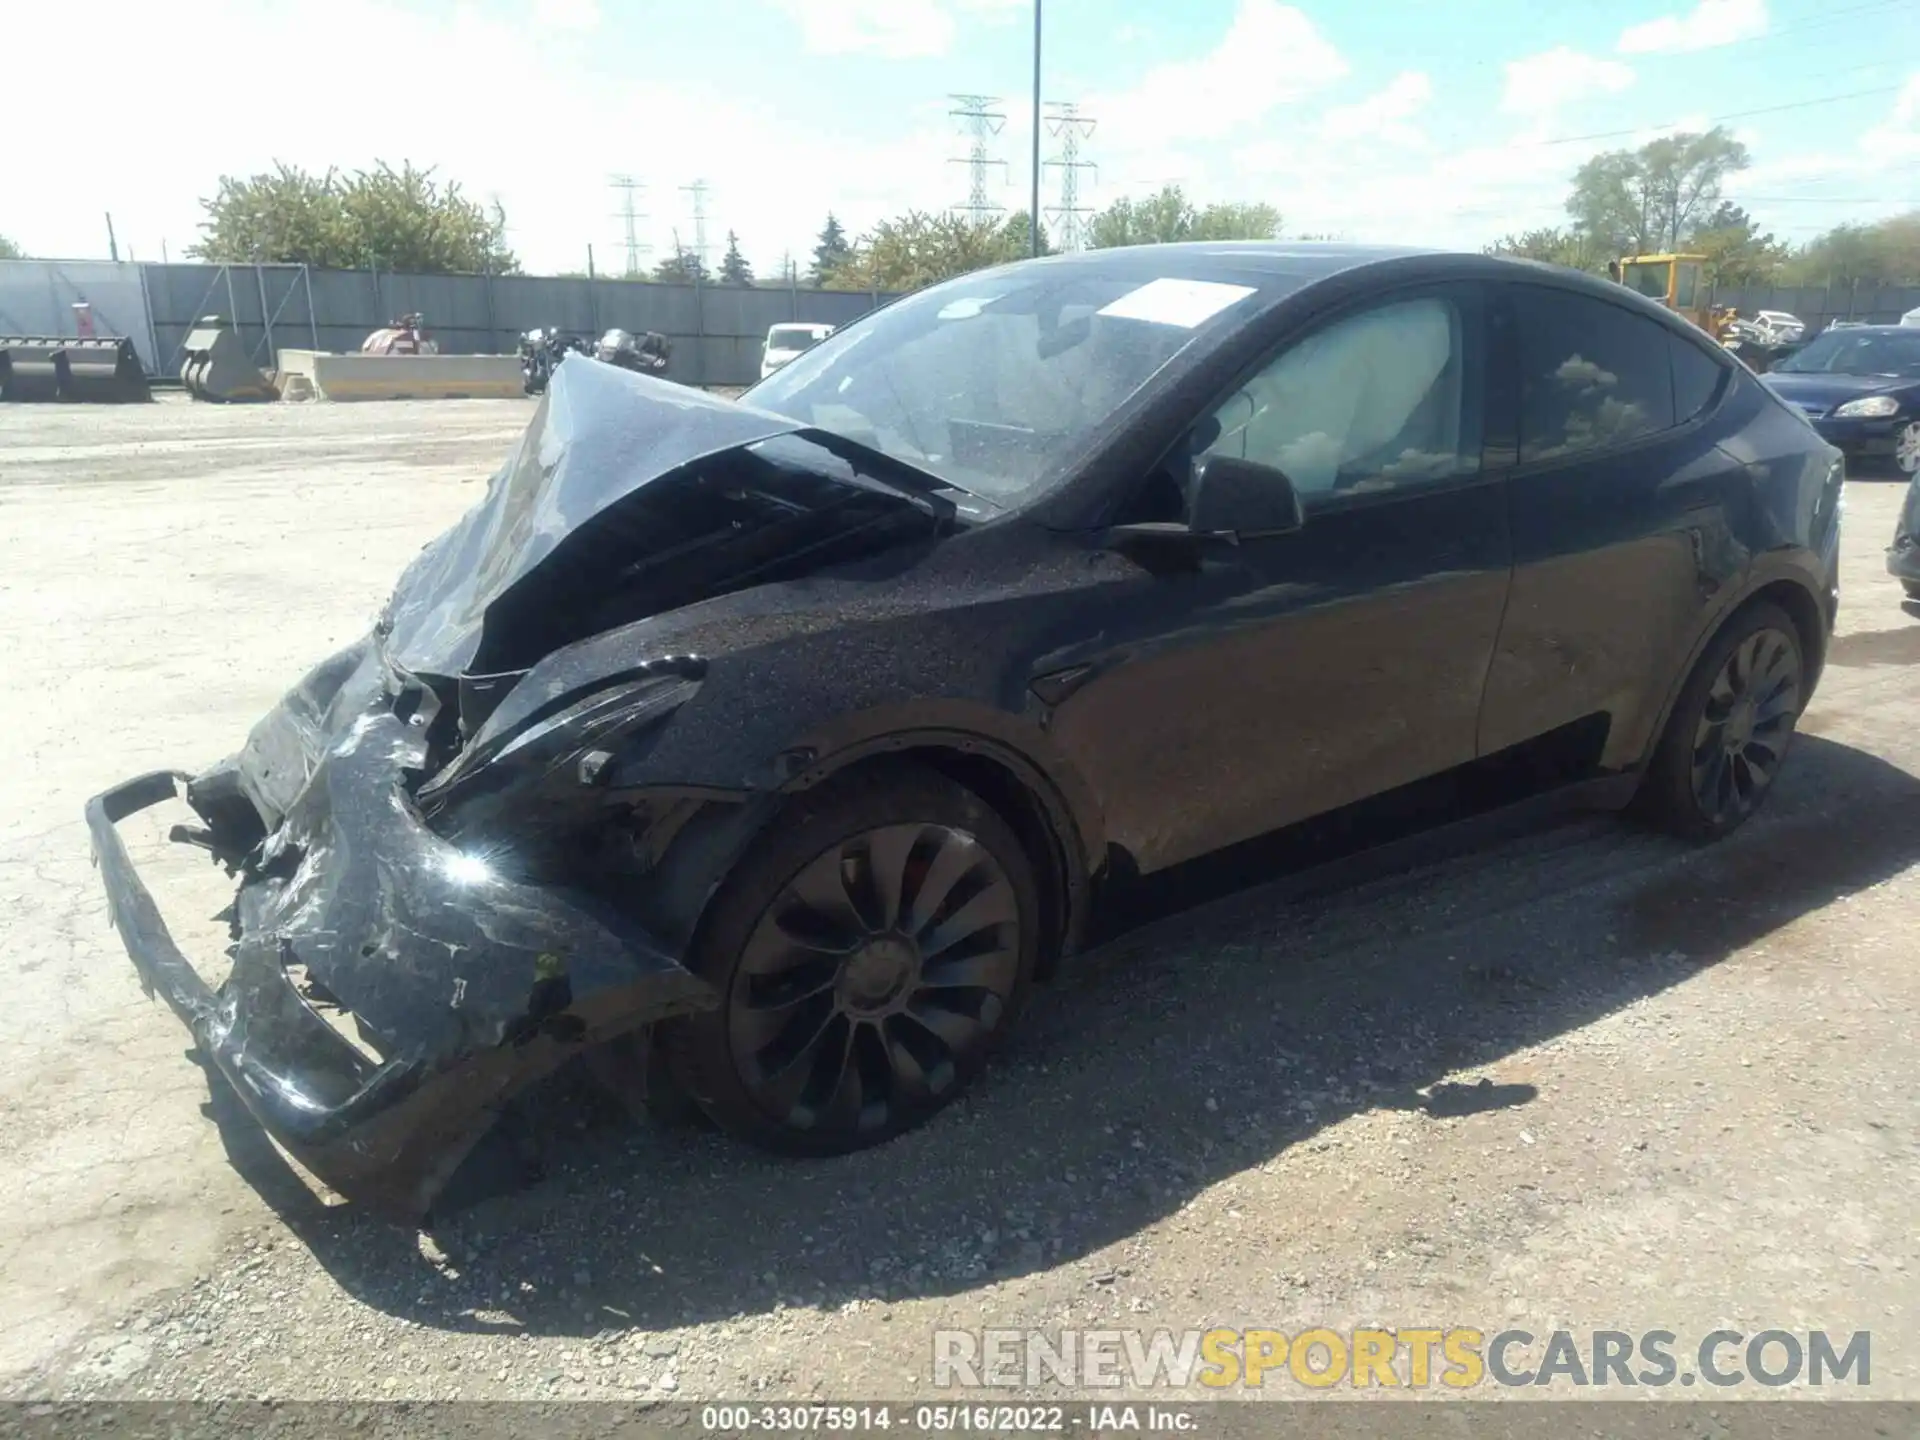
x=390, y=990
x=457, y=869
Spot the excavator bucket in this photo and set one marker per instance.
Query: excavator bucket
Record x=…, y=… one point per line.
x=102, y=371
x=217, y=367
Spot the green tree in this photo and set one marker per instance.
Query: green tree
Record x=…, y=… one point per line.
x=1656, y=198
x=734, y=269
x=1553, y=247
x=1738, y=252
x=1237, y=220
x=1169, y=217
x=10, y=251
x=1884, y=252
x=918, y=249
x=683, y=267
x=401, y=220
x=831, y=253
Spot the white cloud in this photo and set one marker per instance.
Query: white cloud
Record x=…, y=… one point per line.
x=569, y=15
x=1538, y=85
x=1708, y=24
x=773, y=174
x=894, y=29
x=1271, y=55
x=1384, y=115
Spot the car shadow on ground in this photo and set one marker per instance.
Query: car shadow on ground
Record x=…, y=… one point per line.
x=1188, y=1051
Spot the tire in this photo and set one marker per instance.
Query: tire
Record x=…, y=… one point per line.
x=1730, y=730
x=1906, y=449
x=829, y=1037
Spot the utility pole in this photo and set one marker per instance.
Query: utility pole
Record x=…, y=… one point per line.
x=113, y=245
x=982, y=122
x=1070, y=127
x=630, y=189
x=698, y=190
x=1033, y=206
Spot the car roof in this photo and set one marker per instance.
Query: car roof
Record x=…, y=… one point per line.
x=1298, y=260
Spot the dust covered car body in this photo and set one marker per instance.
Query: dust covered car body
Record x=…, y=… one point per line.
x=801, y=735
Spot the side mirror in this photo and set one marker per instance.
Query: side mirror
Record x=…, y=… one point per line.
x=1241, y=499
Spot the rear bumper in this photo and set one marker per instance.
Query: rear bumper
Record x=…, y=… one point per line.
x=472, y=992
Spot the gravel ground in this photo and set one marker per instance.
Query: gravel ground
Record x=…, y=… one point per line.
x=1583, y=1079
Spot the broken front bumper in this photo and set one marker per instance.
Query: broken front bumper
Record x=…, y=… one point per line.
x=466, y=985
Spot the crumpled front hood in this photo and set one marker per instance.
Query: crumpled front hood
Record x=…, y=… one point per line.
x=1824, y=391
x=599, y=435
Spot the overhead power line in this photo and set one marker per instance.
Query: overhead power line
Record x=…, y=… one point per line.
x=1714, y=119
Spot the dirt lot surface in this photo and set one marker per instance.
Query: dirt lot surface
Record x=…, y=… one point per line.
x=1583, y=1079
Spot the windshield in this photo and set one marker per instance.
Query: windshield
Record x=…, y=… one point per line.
x=1851, y=353
x=991, y=382
x=793, y=337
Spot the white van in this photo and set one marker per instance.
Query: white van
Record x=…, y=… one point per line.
x=787, y=342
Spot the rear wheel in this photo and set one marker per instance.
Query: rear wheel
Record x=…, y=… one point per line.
x=871, y=950
x=1729, y=732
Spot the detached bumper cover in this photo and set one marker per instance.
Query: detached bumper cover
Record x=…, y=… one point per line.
x=467, y=985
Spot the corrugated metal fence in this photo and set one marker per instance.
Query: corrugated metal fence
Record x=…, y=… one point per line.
x=1819, y=304
x=717, y=331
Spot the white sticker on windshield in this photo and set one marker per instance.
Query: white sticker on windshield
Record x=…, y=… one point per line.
x=1185, y=303
x=965, y=309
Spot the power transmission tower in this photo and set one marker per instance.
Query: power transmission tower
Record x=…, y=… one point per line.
x=982, y=122
x=698, y=190
x=1067, y=125
x=630, y=189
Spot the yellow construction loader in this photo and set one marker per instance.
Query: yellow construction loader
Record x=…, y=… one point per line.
x=1677, y=281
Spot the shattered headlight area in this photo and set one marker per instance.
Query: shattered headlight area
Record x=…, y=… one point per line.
x=403, y=963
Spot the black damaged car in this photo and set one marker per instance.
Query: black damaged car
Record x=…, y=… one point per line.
x=799, y=737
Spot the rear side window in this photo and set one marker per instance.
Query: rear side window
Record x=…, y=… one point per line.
x=1696, y=379
x=1592, y=375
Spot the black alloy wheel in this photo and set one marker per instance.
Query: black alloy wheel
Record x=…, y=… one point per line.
x=871, y=954
x=1743, y=730
x=1730, y=729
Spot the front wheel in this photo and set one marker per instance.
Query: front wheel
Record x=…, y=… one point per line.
x=1729, y=731
x=871, y=950
x=1906, y=448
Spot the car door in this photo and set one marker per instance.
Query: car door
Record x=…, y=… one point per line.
x=1290, y=674
x=1626, y=517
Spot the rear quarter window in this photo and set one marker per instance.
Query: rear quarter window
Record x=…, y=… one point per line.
x=1593, y=376
x=1697, y=379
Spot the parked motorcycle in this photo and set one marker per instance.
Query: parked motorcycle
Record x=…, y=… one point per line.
x=648, y=353
x=543, y=350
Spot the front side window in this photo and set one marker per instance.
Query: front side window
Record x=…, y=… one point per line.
x=1380, y=400
x=1592, y=375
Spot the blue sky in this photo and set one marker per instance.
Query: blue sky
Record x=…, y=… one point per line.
x=1394, y=120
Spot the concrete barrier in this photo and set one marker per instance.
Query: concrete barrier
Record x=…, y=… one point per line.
x=401, y=377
